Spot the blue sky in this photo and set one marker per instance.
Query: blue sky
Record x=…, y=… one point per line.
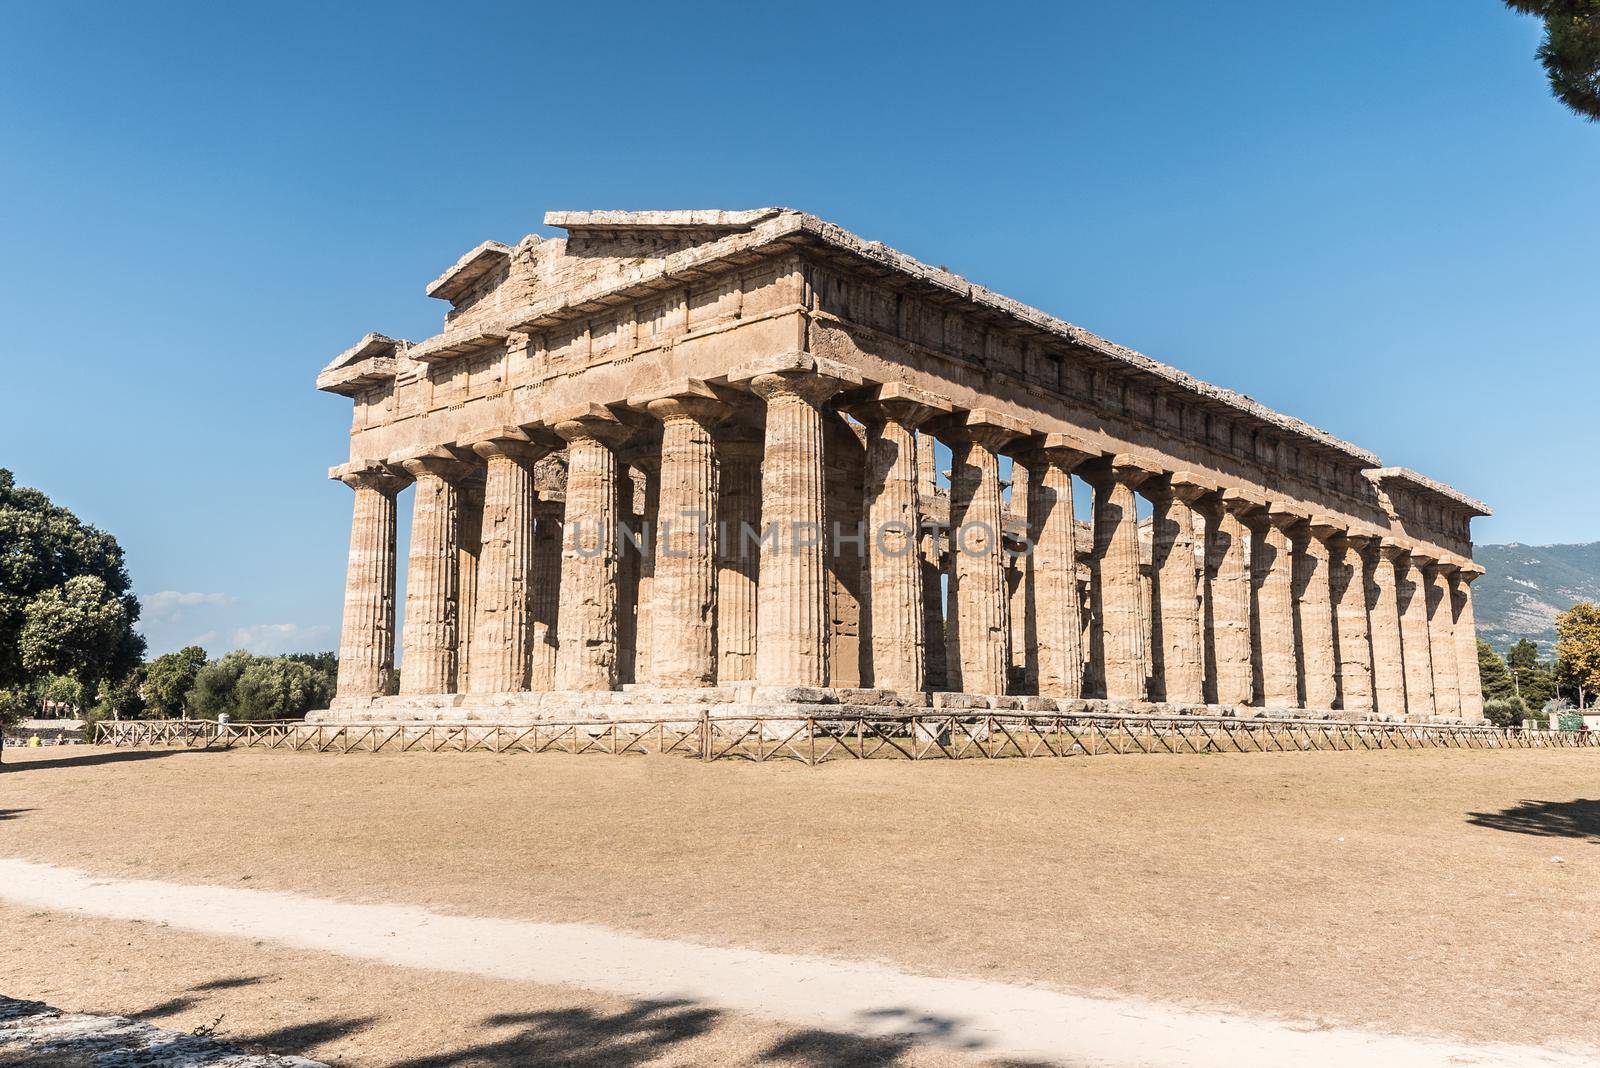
x=1370, y=215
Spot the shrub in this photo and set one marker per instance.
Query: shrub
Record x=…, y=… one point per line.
x=1505, y=712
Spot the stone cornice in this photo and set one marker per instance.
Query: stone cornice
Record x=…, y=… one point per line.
x=453, y=284
x=368, y=362
x=1470, y=505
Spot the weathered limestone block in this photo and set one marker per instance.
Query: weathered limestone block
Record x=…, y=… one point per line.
x=977, y=657
x=1411, y=593
x=544, y=601
x=684, y=591
x=1442, y=640
x=1177, y=648
x=366, y=643
x=739, y=511
x=501, y=653
x=1228, y=599
x=1053, y=603
x=1278, y=681
x=1388, y=657
x=1349, y=583
x=792, y=600
x=433, y=567
x=1119, y=655
x=587, y=656
x=1319, y=666
x=894, y=595
x=1468, y=680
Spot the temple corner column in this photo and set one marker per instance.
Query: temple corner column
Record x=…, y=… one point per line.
x=367, y=636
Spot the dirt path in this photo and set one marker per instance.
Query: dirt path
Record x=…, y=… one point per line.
x=985, y=1018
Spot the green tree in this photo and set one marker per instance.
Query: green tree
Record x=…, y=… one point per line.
x=169, y=680
x=1578, y=648
x=65, y=603
x=1570, y=52
x=1534, y=680
x=250, y=687
x=121, y=699
x=1492, y=672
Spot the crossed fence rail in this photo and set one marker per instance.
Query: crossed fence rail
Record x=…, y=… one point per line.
x=820, y=739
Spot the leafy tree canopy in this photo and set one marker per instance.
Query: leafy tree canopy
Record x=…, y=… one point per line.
x=169, y=678
x=65, y=605
x=1578, y=647
x=250, y=687
x=1570, y=52
x=1493, y=674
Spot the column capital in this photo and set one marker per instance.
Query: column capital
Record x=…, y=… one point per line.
x=590, y=423
x=1390, y=549
x=1284, y=516
x=432, y=461
x=1469, y=571
x=683, y=398
x=981, y=426
x=512, y=441
x=1066, y=451
x=374, y=476
x=1122, y=467
x=812, y=379
x=898, y=403
x=1241, y=502
x=1326, y=529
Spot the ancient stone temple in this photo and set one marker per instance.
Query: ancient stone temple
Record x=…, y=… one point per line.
x=698, y=459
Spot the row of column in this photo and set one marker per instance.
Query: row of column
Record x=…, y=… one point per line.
x=1249, y=601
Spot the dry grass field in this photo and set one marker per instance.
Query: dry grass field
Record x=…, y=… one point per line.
x=1448, y=892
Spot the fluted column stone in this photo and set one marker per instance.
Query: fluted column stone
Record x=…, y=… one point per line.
x=1349, y=582
x=1119, y=652
x=1319, y=667
x=587, y=656
x=1053, y=603
x=1411, y=589
x=1177, y=645
x=1228, y=598
x=893, y=590
x=977, y=654
x=544, y=602
x=739, y=525
x=1469, y=682
x=1388, y=655
x=366, y=640
x=1273, y=575
x=1442, y=640
x=502, y=646
x=428, y=663
x=684, y=588
x=792, y=599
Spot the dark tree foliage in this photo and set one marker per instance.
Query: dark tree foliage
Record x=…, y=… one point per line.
x=1570, y=52
x=249, y=687
x=65, y=603
x=1493, y=674
x=168, y=680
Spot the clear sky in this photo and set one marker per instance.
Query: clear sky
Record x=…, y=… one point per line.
x=1370, y=215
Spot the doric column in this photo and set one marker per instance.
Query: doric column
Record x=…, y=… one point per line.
x=1411, y=589
x=639, y=505
x=893, y=588
x=1118, y=642
x=1057, y=615
x=501, y=653
x=587, y=657
x=683, y=615
x=1273, y=573
x=1177, y=647
x=792, y=598
x=366, y=642
x=844, y=473
x=1319, y=665
x=977, y=638
x=1349, y=581
x=1388, y=657
x=1468, y=680
x=545, y=600
x=1228, y=597
x=428, y=663
x=469, y=544
x=1442, y=639
x=739, y=511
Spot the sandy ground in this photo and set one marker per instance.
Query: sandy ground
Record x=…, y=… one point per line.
x=1437, y=893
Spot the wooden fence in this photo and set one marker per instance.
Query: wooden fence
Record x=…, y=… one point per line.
x=818, y=739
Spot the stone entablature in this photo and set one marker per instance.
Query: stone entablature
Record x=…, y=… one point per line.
x=638, y=349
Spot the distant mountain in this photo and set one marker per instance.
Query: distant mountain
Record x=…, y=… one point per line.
x=1524, y=586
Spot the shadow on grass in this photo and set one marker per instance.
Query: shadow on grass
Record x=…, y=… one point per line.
x=1548, y=819
x=89, y=759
